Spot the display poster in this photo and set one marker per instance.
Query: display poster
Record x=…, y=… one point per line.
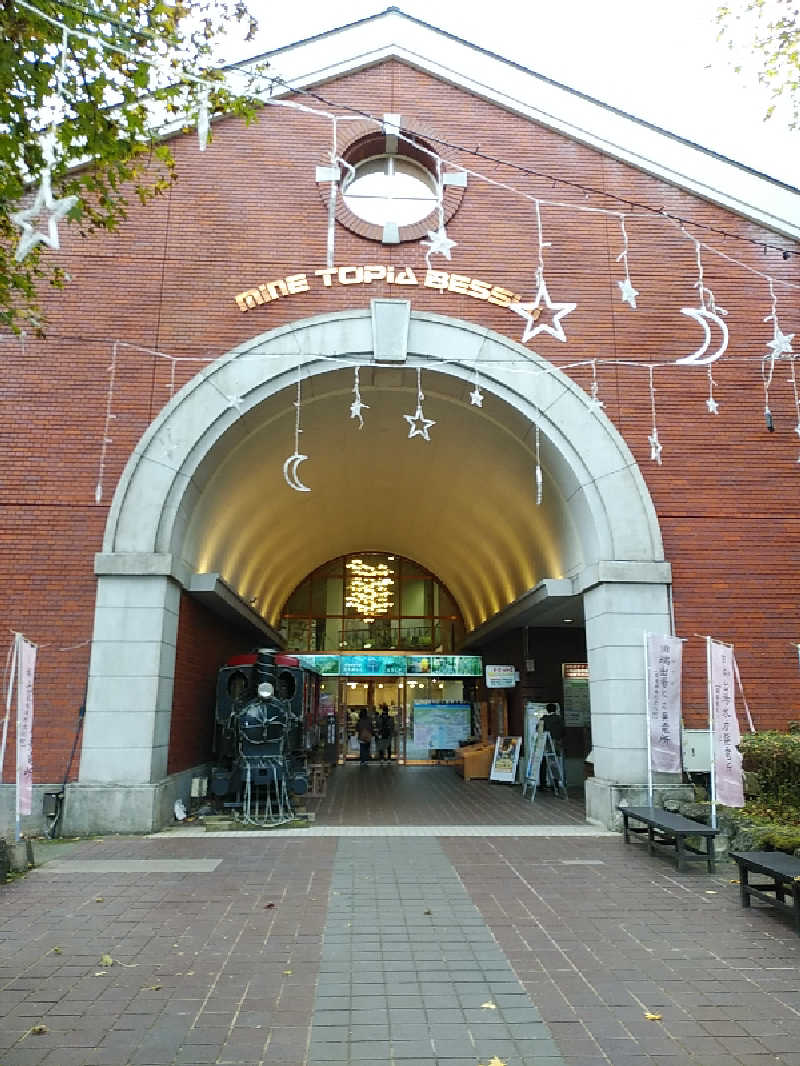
x=506, y=757
x=372, y=665
x=576, y=702
x=27, y=670
x=664, y=662
x=501, y=676
x=437, y=727
x=394, y=665
x=727, y=757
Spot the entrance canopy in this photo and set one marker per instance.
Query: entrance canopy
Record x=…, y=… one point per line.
x=207, y=488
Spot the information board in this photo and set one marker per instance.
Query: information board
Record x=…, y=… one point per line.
x=506, y=757
x=437, y=727
x=501, y=676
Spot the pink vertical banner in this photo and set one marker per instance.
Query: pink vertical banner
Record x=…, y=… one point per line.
x=726, y=735
x=27, y=672
x=664, y=664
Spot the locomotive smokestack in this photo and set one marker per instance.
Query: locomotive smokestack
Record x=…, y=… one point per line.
x=265, y=666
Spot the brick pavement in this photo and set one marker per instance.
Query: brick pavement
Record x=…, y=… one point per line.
x=238, y=951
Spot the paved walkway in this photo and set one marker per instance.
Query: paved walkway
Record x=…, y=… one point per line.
x=401, y=950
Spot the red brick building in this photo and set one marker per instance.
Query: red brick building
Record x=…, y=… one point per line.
x=150, y=527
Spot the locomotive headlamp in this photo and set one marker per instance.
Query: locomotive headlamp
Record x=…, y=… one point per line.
x=266, y=690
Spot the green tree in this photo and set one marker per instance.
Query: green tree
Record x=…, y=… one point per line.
x=130, y=69
x=772, y=30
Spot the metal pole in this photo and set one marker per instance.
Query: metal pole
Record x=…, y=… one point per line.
x=711, y=735
x=647, y=730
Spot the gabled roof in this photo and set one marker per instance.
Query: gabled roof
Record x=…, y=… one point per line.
x=393, y=34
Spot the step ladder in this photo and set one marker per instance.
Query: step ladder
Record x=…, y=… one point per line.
x=544, y=749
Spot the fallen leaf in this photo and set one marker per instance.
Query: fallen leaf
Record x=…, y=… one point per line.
x=734, y=881
x=152, y=988
x=58, y=951
x=489, y=1006
x=652, y=1017
x=99, y=899
x=268, y=906
x=427, y=912
x=41, y=1028
x=710, y=892
x=106, y=960
x=100, y=973
x=287, y=972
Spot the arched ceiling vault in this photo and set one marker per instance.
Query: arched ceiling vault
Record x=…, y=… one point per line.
x=463, y=504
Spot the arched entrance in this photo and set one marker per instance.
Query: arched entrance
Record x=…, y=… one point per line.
x=203, y=495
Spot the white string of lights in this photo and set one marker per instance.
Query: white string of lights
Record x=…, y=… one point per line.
x=705, y=313
x=357, y=406
x=594, y=394
x=110, y=416
x=767, y=372
x=538, y=471
x=626, y=289
x=796, y=395
x=781, y=344
x=438, y=243
x=44, y=203
x=711, y=403
x=290, y=474
x=418, y=424
x=532, y=311
x=656, y=446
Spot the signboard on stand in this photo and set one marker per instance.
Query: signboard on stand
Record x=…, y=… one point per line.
x=506, y=757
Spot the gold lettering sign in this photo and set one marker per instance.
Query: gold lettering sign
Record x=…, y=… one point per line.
x=329, y=277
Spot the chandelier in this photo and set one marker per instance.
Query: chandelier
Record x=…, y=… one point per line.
x=369, y=589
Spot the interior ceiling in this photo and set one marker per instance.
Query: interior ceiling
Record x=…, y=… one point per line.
x=463, y=504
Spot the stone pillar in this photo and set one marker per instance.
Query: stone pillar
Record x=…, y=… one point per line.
x=617, y=616
x=128, y=705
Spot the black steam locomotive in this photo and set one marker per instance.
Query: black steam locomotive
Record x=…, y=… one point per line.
x=265, y=723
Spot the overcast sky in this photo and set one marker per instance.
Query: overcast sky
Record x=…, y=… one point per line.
x=658, y=59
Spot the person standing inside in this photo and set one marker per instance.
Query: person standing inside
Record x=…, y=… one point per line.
x=385, y=733
x=364, y=734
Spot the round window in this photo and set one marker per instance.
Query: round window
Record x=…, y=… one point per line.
x=390, y=188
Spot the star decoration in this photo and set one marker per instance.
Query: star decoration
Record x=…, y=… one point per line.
x=476, y=397
x=656, y=447
x=356, y=407
x=595, y=402
x=43, y=202
x=489, y=1005
x=628, y=293
x=235, y=401
x=438, y=243
x=528, y=312
x=712, y=405
x=781, y=343
x=418, y=430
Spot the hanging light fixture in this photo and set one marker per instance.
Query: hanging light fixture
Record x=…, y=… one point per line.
x=369, y=589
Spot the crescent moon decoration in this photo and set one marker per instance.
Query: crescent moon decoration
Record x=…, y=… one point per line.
x=290, y=472
x=297, y=457
x=703, y=315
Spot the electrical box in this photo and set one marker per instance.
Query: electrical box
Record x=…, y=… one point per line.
x=696, y=750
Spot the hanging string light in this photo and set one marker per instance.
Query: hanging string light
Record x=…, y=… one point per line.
x=369, y=589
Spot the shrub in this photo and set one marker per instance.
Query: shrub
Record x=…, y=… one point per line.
x=775, y=757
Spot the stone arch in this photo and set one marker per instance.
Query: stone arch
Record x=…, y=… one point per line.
x=602, y=511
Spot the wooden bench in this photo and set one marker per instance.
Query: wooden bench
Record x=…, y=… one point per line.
x=670, y=830
x=785, y=873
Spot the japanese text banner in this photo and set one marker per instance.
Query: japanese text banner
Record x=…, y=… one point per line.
x=664, y=662
x=27, y=670
x=726, y=735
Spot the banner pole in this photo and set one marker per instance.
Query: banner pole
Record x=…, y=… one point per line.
x=11, y=675
x=17, y=815
x=649, y=742
x=711, y=735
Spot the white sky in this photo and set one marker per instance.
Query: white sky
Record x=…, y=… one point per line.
x=657, y=59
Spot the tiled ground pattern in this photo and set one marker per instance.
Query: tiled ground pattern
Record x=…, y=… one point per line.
x=410, y=974
x=208, y=967
x=381, y=794
x=601, y=943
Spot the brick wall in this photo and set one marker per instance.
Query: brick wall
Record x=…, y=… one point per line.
x=248, y=210
x=205, y=643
